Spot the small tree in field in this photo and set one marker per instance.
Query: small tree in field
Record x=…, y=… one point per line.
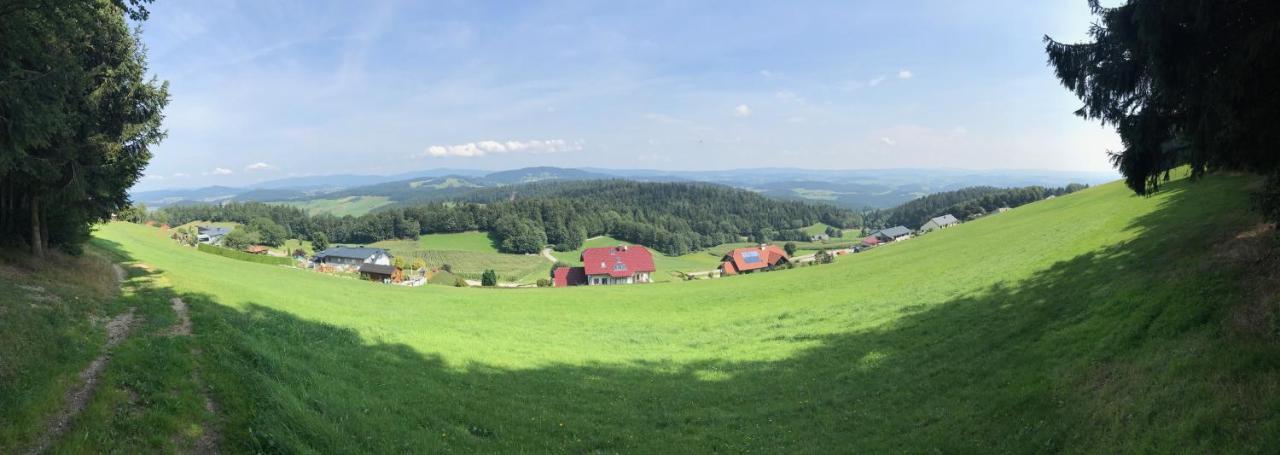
x=319, y=242
x=823, y=257
x=790, y=248
x=419, y=264
x=399, y=263
x=489, y=278
x=460, y=283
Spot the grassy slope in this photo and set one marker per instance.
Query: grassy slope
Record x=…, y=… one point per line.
x=470, y=254
x=353, y=205
x=1096, y=321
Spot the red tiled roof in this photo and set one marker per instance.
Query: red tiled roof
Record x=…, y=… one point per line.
x=257, y=249
x=617, y=261
x=569, y=276
x=871, y=240
x=769, y=255
x=727, y=269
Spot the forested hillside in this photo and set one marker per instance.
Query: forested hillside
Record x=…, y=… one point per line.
x=674, y=218
x=964, y=204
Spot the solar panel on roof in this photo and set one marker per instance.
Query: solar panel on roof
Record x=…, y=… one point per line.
x=751, y=257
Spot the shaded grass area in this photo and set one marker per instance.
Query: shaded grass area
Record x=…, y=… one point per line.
x=48, y=310
x=149, y=397
x=1010, y=334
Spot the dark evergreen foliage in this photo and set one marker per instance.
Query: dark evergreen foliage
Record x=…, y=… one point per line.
x=1184, y=82
x=674, y=218
x=77, y=117
x=964, y=204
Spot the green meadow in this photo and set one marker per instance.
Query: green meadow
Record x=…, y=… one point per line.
x=350, y=205
x=1095, y=322
x=469, y=254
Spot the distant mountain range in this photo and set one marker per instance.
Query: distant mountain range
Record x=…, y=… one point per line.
x=856, y=189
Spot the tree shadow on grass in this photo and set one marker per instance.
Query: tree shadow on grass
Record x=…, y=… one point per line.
x=1120, y=349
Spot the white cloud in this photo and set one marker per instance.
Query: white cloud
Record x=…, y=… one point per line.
x=259, y=166
x=960, y=130
x=482, y=148
x=876, y=80
x=788, y=96
x=770, y=75
x=888, y=141
x=742, y=110
x=219, y=171
x=795, y=119
x=905, y=74
x=179, y=175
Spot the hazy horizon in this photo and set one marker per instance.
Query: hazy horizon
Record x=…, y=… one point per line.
x=269, y=91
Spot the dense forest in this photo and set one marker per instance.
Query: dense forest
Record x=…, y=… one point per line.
x=78, y=117
x=674, y=218
x=963, y=203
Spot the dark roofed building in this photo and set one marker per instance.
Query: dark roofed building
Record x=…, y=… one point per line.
x=941, y=222
x=893, y=234
x=378, y=272
x=211, y=234
x=349, y=257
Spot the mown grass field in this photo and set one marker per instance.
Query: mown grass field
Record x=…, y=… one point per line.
x=1094, y=322
x=470, y=254
x=479, y=242
x=351, y=205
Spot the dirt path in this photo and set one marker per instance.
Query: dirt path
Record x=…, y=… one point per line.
x=546, y=253
x=76, y=399
x=121, y=275
x=183, y=327
x=208, y=442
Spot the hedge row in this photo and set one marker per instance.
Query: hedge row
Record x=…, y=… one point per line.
x=243, y=256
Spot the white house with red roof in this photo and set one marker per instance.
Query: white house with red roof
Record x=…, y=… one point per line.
x=623, y=264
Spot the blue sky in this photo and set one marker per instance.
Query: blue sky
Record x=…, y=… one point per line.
x=265, y=90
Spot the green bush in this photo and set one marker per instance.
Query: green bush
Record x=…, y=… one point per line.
x=243, y=256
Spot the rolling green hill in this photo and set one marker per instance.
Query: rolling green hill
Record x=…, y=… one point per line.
x=1094, y=322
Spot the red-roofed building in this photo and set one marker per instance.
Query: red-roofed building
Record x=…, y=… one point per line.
x=751, y=259
x=568, y=276
x=871, y=240
x=623, y=264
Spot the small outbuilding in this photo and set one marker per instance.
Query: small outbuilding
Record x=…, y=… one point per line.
x=569, y=276
x=257, y=249
x=379, y=272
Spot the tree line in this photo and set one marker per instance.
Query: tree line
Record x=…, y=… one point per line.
x=78, y=116
x=966, y=203
x=674, y=218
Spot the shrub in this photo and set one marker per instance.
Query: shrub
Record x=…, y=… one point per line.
x=460, y=283
x=489, y=278
x=544, y=283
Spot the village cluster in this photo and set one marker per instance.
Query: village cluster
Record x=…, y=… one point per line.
x=613, y=265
